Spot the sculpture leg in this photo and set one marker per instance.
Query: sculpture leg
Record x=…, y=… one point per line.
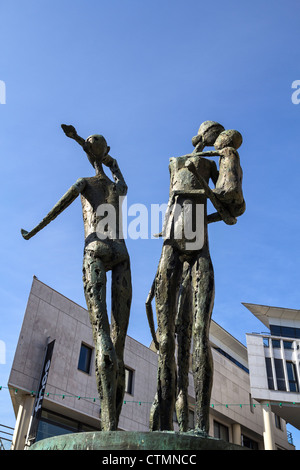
x=154, y=420
x=203, y=299
x=169, y=270
x=94, y=278
x=121, y=301
x=184, y=333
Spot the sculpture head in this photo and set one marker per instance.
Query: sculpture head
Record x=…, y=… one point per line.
x=96, y=148
x=207, y=134
x=228, y=138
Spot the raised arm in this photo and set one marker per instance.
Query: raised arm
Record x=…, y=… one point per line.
x=112, y=164
x=71, y=132
x=59, y=207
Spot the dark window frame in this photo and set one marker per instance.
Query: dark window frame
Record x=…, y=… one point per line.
x=85, y=358
x=221, y=431
x=129, y=380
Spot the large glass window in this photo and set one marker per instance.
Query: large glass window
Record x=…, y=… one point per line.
x=292, y=377
x=269, y=373
x=280, y=375
x=275, y=330
x=85, y=356
x=276, y=343
x=52, y=424
x=287, y=331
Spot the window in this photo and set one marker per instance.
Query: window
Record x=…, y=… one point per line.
x=247, y=442
x=128, y=381
x=280, y=375
x=266, y=342
x=287, y=331
x=277, y=421
x=221, y=431
x=275, y=330
x=85, y=356
x=286, y=344
x=53, y=424
x=292, y=377
x=269, y=373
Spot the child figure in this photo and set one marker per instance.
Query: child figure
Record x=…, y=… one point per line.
x=228, y=188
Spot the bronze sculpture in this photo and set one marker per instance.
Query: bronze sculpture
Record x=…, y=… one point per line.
x=104, y=250
x=184, y=282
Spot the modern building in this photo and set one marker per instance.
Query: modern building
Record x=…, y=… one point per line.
x=274, y=362
x=53, y=388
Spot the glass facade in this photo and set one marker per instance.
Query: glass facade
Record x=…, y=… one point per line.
x=285, y=331
x=53, y=424
x=281, y=380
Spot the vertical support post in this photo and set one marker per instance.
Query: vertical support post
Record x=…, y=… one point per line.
x=269, y=441
x=22, y=423
x=236, y=434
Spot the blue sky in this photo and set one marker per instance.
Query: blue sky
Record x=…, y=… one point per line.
x=145, y=75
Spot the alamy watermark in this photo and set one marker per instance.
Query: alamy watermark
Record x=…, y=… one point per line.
x=2, y=352
x=296, y=94
x=2, y=92
x=182, y=222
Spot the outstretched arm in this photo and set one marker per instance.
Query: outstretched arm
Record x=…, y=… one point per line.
x=71, y=132
x=61, y=205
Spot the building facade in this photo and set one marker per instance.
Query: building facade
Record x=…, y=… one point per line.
x=53, y=388
x=274, y=361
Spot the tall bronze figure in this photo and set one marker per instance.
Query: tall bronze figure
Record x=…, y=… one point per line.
x=184, y=282
x=104, y=250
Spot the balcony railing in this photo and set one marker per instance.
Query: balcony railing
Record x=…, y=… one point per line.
x=290, y=437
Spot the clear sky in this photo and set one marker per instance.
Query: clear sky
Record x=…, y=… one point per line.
x=145, y=75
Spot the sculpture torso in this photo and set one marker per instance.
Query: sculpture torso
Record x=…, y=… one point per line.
x=184, y=188
x=100, y=190
x=182, y=179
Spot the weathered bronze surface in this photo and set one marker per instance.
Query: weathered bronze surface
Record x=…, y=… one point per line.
x=132, y=440
x=104, y=250
x=184, y=283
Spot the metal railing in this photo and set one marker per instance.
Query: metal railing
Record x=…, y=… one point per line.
x=6, y=437
x=290, y=437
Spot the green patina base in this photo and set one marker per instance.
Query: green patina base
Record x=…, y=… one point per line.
x=132, y=440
